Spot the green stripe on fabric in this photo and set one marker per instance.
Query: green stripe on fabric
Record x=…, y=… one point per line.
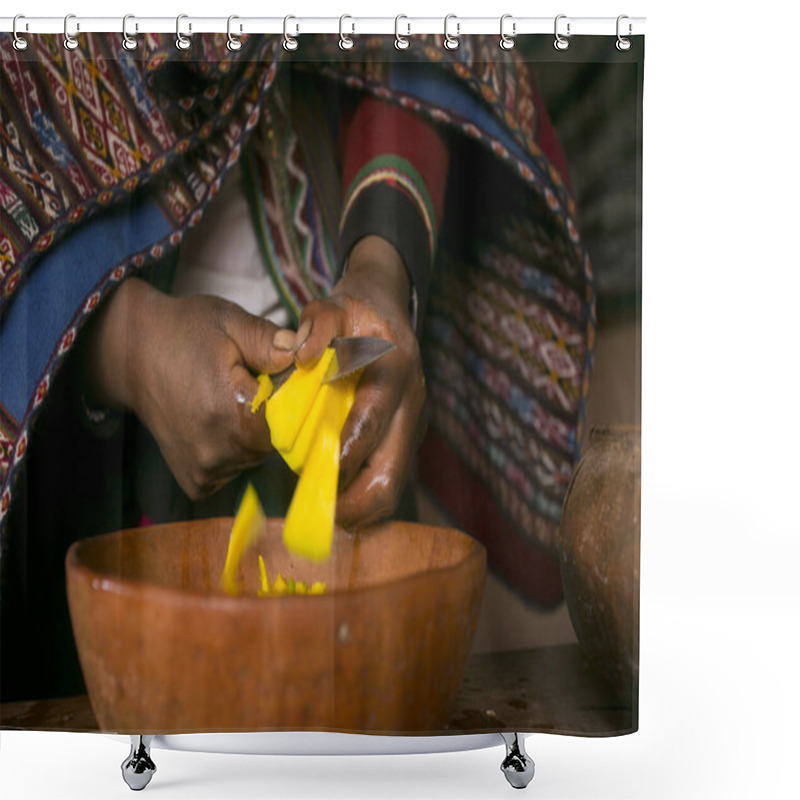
x=389, y=161
x=252, y=191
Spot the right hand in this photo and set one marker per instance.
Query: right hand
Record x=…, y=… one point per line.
x=385, y=425
x=184, y=367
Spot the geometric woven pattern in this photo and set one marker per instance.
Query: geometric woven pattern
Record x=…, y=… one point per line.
x=510, y=333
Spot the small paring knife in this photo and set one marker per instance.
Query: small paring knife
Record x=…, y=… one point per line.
x=352, y=353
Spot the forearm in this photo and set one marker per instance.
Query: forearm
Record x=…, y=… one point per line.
x=394, y=171
x=114, y=340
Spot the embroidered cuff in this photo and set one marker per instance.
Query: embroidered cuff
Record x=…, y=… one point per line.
x=386, y=201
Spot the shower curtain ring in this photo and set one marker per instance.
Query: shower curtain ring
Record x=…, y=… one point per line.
x=623, y=43
x=451, y=42
x=70, y=42
x=182, y=42
x=507, y=42
x=128, y=42
x=20, y=43
x=345, y=42
x=401, y=42
x=561, y=42
x=289, y=42
x=234, y=43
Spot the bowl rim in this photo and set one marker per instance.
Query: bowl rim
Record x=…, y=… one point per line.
x=114, y=583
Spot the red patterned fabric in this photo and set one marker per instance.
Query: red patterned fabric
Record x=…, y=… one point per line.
x=378, y=128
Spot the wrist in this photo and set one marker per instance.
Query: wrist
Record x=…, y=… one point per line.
x=117, y=339
x=375, y=272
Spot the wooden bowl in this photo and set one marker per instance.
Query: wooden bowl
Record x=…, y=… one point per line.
x=164, y=650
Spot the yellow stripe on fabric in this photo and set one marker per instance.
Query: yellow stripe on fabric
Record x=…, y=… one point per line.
x=378, y=171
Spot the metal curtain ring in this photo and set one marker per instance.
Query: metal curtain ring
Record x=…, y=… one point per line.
x=507, y=42
x=451, y=42
x=623, y=44
x=70, y=42
x=561, y=42
x=128, y=42
x=401, y=42
x=234, y=43
x=345, y=42
x=182, y=42
x=20, y=43
x=289, y=42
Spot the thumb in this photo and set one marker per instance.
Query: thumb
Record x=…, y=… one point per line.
x=264, y=346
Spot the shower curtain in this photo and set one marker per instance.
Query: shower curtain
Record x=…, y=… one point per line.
x=483, y=203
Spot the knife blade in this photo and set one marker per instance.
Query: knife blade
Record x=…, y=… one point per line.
x=352, y=353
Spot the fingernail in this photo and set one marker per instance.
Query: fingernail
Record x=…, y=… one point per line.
x=303, y=332
x=284, y=340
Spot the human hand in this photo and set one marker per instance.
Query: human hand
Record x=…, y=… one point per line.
x=384, y=426
x=184, y=365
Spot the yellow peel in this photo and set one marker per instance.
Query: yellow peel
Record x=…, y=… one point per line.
x=263, y=393
x=250, y=521
x=262, y=571
x=308, y=529
x=288, y=408
x=306, y=418
x=333, y=401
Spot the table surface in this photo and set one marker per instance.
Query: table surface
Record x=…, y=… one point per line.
x=549, y=689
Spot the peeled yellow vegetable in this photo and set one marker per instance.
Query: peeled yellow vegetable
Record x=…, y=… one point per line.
x=308, y=530
x=333, y=401
x=282, y=586
x=250, y=521
x=297, y=455
x=263, y=393
x=288, y=408
x=306, y=418
x=262, y=571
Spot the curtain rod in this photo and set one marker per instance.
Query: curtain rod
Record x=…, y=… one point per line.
x=349, y=25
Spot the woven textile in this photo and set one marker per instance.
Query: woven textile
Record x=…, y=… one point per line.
x=145, y=138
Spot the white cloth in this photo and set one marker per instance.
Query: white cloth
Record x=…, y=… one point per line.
x=221, y=256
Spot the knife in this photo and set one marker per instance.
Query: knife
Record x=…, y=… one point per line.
x=352, y=353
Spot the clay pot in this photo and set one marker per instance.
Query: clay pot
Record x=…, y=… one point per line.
x=163, y=649
x=599, y=544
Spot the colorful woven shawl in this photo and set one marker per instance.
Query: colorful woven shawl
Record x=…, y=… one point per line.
x=109, y=157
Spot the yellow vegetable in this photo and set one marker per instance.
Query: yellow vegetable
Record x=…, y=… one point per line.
x=262, y=570
x=308, y=530
x=306, y=418
x=250, y=521
x=333, y=401
x=288, y=408
x=283, y=585
x=263, y=393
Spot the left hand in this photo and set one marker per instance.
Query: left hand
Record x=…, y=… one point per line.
x=384, y=428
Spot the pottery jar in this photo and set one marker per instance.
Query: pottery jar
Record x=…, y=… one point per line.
x=599, y=548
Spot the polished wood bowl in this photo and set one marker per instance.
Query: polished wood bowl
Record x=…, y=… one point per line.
x=164, y=650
